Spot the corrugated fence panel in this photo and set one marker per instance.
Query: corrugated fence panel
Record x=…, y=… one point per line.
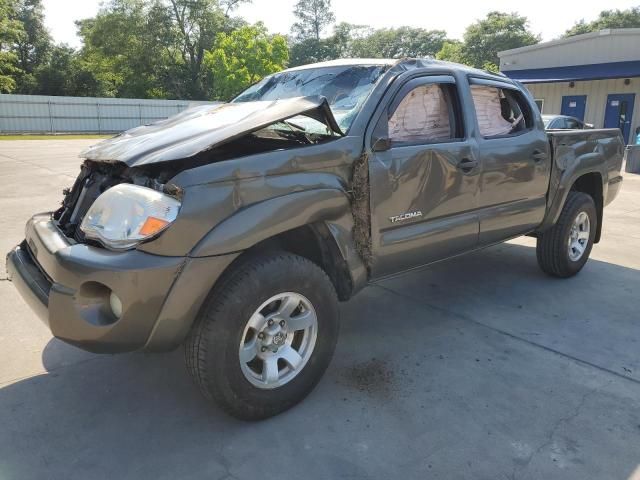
x=38, y=113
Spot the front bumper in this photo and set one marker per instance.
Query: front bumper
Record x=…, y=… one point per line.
x=68, y=285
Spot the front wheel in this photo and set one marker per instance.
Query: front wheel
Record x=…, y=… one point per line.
x=563, y=250
x=265, y=336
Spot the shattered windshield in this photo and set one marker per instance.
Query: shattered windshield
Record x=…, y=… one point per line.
x=345, y=88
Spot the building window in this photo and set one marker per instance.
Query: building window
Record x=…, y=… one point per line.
x=540, y=103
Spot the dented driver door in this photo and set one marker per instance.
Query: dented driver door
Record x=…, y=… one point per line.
x=424, y=177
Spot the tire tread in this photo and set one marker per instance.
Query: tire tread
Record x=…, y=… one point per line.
x=196, y=344
x=551, y=248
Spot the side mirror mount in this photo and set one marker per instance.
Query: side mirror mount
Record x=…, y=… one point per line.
x=380, y=141
x=380, y=144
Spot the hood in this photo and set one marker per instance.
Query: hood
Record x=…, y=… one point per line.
x=204, y=127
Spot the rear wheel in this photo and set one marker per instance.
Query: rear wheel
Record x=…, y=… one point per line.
x=563, y=250
x=265, y=336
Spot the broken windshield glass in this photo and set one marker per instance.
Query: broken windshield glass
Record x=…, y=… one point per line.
x=345, y=88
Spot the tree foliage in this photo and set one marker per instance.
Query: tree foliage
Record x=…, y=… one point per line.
x=11, y=31
x=66, y=73
x=498, y=31
x=197, y=49
x=399, y=42
x=629, y=18
x=350, y=40
x=142, y=48
x=119, y=48
x=244, y=56
x=34, y=46
x=312, y=18
x=452, y=51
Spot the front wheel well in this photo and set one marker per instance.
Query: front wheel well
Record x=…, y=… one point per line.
x=315, y=243
x=591, y=184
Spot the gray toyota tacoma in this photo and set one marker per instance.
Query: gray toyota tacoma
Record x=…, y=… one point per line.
x=235, y=229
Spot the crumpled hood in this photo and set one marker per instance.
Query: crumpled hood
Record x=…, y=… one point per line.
x=203, y=127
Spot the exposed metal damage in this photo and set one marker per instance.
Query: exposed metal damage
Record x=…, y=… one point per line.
x=361, y=209
x=94, y=179
x=146, y=156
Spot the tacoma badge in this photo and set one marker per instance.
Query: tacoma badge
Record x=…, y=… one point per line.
x=405, y=216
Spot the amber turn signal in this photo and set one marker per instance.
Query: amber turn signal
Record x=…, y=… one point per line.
x=152, y=225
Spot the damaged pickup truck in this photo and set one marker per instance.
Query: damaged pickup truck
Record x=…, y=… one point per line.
x=235, y=229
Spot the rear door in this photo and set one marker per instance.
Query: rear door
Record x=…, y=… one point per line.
x=424, y=176
x=619, y=113
x=516, y=161
x=574, y=106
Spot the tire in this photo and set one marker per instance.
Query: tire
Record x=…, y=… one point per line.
x=246, y=390
x=553, y=249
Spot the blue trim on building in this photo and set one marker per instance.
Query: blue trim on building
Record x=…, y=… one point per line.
x=597, y=71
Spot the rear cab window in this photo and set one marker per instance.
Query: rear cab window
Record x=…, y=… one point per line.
x=501, y=112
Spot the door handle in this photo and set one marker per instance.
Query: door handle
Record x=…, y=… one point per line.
x=538, y=156
x=467, y=164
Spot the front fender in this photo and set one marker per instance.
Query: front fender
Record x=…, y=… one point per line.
x=268, y=218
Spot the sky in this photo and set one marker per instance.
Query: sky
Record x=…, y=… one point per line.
x=549, y=18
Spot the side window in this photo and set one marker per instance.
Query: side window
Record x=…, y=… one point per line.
x=560, y=123
x=573, y=124
x=500, y=111
x=426, y=114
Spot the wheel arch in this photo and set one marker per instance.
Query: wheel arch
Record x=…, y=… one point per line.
x=592, y=184
x=315, y=224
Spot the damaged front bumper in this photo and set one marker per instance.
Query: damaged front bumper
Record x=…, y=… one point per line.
x=69, y=285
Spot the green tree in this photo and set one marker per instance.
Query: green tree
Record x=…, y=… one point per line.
x=243, y=57
x=629, y=18
x=399, y=42
x=350, y=40
x=66, y=73
x=120, y=48
x=32, y=48
x=452, y=51
x=192, y=27
x=154, y=48
x=308, y=46
x=498, y=31
x=313, y=17
x=340, y=43
x=11, y=31
x=311, y=51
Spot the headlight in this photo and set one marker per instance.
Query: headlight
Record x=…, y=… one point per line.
x=126, y=214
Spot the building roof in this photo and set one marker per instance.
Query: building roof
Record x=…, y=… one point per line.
x=612, y=53
x=572, y=39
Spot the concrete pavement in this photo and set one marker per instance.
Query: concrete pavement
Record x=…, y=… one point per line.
x=476, y=368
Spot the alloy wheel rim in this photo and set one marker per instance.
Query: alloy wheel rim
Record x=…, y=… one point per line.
x=579, y=236
x=278, y=340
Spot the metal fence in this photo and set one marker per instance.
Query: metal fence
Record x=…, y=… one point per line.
x=43, y=114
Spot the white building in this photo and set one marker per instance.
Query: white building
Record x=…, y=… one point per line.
x=594, y=77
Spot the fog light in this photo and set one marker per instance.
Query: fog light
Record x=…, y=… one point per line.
x=115, y=304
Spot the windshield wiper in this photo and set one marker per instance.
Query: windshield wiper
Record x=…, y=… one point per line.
x=294, y=128
x=292, y=125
